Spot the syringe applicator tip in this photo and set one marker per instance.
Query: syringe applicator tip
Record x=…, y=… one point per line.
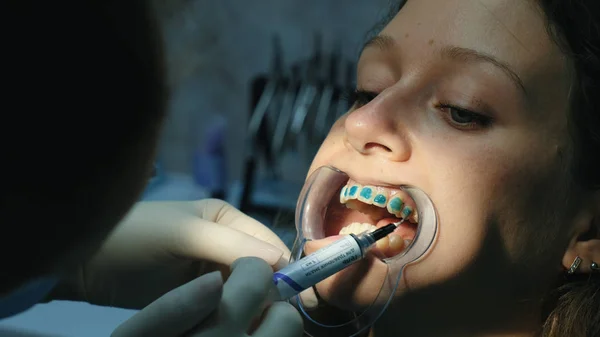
x=384, y=231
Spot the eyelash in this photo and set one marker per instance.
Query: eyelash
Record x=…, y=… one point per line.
x=359, y=98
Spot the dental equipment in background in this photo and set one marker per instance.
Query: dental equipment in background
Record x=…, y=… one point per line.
x=308, y=90
x=301, y=96
x=286, y=114
x=258, y=121
x=331, y=259
x=305, y=108
x=324, y=118
x=265, y=98
x=292, y=108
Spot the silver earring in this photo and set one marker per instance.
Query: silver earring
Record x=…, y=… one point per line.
x=574, y=265
x=594, y=267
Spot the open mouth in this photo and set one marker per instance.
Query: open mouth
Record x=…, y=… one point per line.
x=361, y=208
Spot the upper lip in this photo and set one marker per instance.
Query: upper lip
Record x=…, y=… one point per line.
x=372, y=182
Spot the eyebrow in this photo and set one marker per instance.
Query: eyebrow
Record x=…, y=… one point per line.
x=386, y=43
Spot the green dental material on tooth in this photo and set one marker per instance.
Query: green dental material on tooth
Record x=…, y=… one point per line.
x=395, y=204
x=406, y=212
x=380, y=199
x=353, y=191
x=366, y=193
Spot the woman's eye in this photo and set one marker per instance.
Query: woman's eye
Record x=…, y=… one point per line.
x=359, y=98
x=464, y=119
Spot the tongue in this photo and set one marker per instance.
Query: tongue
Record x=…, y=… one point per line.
x=406, y=230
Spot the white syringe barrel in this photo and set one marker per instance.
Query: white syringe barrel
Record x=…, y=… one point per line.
x=319, y=265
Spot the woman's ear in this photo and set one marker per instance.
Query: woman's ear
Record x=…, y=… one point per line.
x=583, y=253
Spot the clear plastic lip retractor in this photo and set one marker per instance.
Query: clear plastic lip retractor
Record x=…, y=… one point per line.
x=323, y=185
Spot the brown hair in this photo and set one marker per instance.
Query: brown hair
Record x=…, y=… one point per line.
x=575, y=26
x=83, y=100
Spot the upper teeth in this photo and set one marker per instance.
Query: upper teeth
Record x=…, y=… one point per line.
x=357, y=228
x=376, y=196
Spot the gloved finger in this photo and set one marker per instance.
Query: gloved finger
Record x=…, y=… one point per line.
x=221, y=212
x=177, y=311
x=225, y=214
x=208, y=241
x=281, y=320
x=195, y=236
x=246, y=291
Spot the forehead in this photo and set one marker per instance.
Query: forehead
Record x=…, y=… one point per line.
x=512, y=31
x=511, y=27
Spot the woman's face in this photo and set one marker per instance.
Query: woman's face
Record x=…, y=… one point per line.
x=468, y=103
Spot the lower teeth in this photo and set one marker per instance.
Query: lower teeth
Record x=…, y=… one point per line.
x=393, y=241
x=357, y=228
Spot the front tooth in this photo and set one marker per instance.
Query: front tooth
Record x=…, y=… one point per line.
x=353, y=192
x=395, y=206
x=366, y=195
x=414, y=218
x=348, y=228
x=397, y=244
x=367, y=227
x=380, y=200
x=357, y=228
x=343, y=195
x=407, y=212
x=383, y=244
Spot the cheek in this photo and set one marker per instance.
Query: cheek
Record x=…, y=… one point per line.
x=489, y=203
x=467, y=190
x=462, y=230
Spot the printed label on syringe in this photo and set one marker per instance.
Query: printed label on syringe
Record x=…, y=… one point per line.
x=316, y=267
x=325, y=254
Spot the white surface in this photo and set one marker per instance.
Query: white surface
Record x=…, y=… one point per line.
x=67, y=319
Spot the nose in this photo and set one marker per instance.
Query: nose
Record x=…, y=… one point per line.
x=372, y=131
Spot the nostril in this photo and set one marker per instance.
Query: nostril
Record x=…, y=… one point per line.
x=372, y=145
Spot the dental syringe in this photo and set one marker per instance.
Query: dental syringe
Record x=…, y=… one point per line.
x=314, y=268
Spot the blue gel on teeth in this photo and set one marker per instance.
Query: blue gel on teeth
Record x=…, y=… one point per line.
x=380, y=199
x=353, y=191
x=366, y=193
x=395, y=204
x=406, y=212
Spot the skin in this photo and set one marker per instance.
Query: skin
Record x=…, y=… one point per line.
x=509, y=217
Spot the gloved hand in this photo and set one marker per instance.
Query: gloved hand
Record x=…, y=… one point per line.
x=205, y=307
x=162, y=245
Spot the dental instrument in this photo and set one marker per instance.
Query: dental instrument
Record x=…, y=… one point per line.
x=286, y=113
x=324, y=119
x=309, y=90
x=327, y=261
